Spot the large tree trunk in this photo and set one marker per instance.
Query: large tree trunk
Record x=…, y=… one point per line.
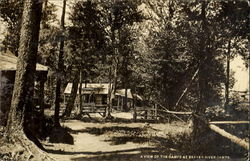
x=199, y=127
x=59, y=68
x=20, y=114
x=72, y=97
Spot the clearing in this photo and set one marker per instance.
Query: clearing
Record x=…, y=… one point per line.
x=116, y=140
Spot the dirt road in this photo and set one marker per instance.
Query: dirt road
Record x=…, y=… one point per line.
x=115, y=140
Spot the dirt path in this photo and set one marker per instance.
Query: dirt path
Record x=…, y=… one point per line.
x=113, y=141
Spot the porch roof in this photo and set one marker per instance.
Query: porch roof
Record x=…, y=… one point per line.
x=8, y=62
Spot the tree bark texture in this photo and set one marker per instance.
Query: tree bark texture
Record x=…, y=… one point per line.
x=59, y=68
x=21, y=106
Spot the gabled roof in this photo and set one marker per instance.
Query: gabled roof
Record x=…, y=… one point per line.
x=8, y=62
x=97, y=88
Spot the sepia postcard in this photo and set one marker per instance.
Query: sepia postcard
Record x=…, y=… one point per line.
x=124, y=80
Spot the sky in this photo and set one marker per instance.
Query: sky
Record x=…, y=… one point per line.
x=237, y=64
x=241, y=74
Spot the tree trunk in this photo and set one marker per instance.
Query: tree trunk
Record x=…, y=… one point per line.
x=199, y=127
x=126, y=99
x=112, y=81
x=111, y=94
x=20, y=113
x=233, y=138
x=107, y=110
x=72, y=97
x=125, y=78
x=228, y=75
x=186, y=89
x=59, y=68
x=80, y=95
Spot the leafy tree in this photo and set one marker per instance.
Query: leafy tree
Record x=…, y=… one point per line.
x=127, y=55
x=102, y=27
x=121, y=14
x=234, y=25
x=11, y=13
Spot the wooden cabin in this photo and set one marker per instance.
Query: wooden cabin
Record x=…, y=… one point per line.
x=8, y=63
x=96, y=94
x=91, y=93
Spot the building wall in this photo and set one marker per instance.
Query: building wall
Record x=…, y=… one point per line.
x=7, y=79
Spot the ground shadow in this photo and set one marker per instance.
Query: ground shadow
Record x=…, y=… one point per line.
x=124, y=139
x=113, y=129
x=85, y=119
x=218, y=146
x=161, y=146
x=156, y=141
x=124, y=120
x=61, y=135
x=126, y=134
x=94, y=119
